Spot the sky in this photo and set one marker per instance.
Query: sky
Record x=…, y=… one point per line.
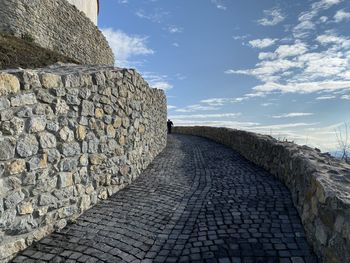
x=275, y=67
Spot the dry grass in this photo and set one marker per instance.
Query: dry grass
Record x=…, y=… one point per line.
x=16, y=52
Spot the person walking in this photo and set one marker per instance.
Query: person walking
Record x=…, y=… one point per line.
x=169, y=124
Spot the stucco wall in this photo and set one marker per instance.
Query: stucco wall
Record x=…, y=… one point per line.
x=56, y=25
x=70, y=136
x=319, y=184
x=89, y=7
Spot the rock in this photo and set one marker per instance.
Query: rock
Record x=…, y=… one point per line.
x=25, y=208
x=29, y=79
x=47, y=140
x=50, y=81
x=47, y=199
x=71, y=81
x=37, y=162
x=103, y=195
x=9, y=84
x=81, y=133
x=7, y=149
x=61, y=107
x=99, y=113
x=97, y=159
x=65, y=180
x=66, y=134
x=110, y=131
x=15, y=126
x=13, y=199
x=68, y=164
x=126, y=122
x=27, y=145
x=121, y=140
x=17, y=166
x=88, y=108
x=70, y=149
x=99, y=78
x=73, y=100
x=53, y=156
x=4, y=103
x=23, y=99
x=9, y=249
x=85, y=203
x=36, y=124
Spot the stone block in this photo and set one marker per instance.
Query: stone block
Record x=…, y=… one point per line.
x=7, y=149
x=9, y=84
x=65, y=180
x=27, y=145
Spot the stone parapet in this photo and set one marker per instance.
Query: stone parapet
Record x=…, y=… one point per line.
x=70, y=136
x=319, y=184
x=56, y=25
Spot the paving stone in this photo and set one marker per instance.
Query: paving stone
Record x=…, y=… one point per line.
x=197, y=202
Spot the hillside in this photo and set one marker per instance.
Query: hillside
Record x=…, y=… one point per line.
x=16, y=52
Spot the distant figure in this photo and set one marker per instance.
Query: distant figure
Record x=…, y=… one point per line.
x=169, y=124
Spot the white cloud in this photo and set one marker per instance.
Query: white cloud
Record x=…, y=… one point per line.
x=292, y=115
x=345, y=97
x=291, y=50
x=207, y=116
x=341, y=15
x=304, y=87
x=267, y=55
x=330, y=97
x=262, y=43
x=175, y=44
x=212, y=123
x=271, y=17
x=197, y=107
x=242, y=37
x=157, y=81
x=219, y=4
x=125, y=46
x=171, y=107
x=155, y=17
x=174, y=29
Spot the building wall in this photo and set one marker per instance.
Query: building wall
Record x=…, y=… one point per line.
x=56, y=25
x=69, y=137
x=89, y=7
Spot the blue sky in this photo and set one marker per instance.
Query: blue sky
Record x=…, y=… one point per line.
x=275, y=67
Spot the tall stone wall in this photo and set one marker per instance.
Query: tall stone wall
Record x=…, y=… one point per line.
x=56, y=25
x=70, y=136
x=320, y=184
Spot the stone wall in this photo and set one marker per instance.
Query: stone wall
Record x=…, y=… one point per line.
x=56, y=25
x=320, y=184
x=70, y=136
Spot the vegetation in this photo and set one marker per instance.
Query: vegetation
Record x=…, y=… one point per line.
x=24, y=53
x=343, y=140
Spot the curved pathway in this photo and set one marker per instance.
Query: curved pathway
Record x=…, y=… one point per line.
x=197, y=202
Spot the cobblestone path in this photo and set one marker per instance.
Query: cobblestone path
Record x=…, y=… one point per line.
x=197, y=202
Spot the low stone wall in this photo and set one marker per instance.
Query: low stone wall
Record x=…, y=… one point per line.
x=56, y=25
x=320, y=185
x=70, y=136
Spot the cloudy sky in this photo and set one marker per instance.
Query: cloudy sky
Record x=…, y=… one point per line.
x=275, y=67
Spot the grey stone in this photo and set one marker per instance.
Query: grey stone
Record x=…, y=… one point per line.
x=13, y=199
x=88, y=108
x=37, y=162
x=70, y=149
x=7, y=149
x=47, y=199
x=27, y=145
x=53, y=156
x=23, y=99
x=66, y=134
x=68, y=164
x=13, y=127
x=36, y=124
x=4, y=103
x=47, y=140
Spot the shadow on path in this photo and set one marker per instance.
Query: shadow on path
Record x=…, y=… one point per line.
x=197, y=202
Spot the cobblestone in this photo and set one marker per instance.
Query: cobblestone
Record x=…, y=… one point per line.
x=197, y=202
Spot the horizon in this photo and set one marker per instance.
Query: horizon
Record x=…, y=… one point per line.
x=280, y=68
